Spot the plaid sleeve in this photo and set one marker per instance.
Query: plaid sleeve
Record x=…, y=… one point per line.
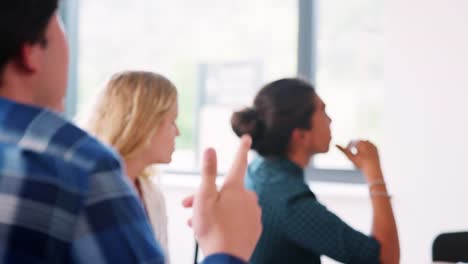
x=309, y=224
x=112, y=227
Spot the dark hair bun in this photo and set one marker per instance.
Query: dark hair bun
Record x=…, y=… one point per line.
x=246, y=121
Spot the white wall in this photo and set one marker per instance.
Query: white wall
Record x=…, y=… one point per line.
x=426, y=123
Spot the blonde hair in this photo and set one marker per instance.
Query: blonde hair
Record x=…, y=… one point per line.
x=129, y=110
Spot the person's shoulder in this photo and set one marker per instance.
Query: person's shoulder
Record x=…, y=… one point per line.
x=78, y=147
x=41, y=145
x=257, y=168
x=39, y=170
x=270, y=172
x=275, y=181
x=43, y=131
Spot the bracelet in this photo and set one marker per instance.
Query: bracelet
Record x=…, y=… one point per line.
x=378, y=182
x=380, y=194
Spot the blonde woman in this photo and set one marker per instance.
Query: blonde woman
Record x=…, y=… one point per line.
x=136, y=114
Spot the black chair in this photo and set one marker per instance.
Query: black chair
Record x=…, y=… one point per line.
x=450, y=247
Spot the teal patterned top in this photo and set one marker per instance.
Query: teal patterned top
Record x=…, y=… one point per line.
x=296, y=227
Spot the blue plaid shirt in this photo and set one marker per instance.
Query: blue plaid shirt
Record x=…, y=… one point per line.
x=296, y=227
x=64, y=198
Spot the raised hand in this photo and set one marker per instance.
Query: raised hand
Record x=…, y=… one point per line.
x=226, y=220
x=365, y=156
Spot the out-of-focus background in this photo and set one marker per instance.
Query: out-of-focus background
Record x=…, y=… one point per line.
x=391, y=71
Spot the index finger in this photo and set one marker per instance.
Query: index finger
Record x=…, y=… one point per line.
x=209, y=172
x=236, y=174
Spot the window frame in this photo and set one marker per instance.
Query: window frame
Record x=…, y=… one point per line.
x=306, y=65
x=69, y=12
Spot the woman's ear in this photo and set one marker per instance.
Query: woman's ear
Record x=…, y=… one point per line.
x=298, y=137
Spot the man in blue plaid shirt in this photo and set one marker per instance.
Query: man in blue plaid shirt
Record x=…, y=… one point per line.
x=63, y=195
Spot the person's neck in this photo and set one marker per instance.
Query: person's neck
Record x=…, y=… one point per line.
x=134, y=168
x=16, y=88
x=16, y=95
x=299, y=158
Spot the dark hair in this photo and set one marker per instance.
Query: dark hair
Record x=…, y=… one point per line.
x=22, y=21
x=279, y=108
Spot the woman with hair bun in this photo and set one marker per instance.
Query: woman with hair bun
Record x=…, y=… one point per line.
x=288, y=125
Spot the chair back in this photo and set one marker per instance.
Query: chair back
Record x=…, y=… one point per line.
x=450, y=247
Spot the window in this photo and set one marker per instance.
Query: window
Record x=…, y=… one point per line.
x=207, y=48
x=219, y=53
x=349, y=72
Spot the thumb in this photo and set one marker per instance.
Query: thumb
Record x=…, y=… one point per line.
x=209, y=172
x=188, y=201
x=239, y=166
